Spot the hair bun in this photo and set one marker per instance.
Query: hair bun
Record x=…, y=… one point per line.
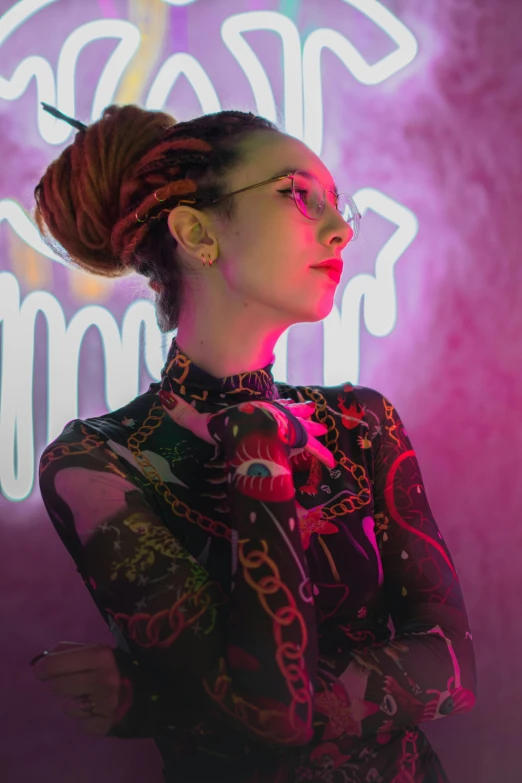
x=79, y=198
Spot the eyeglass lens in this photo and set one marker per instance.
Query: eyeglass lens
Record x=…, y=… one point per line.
x=310, y=198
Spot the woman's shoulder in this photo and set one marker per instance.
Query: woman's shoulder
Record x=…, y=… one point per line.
x=115, y=426
x=345, y=394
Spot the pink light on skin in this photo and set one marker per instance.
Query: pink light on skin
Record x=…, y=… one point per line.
x=333, y=267
x=56, y=83
x=331, y=273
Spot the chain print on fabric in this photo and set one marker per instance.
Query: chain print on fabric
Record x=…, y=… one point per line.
x=88, y=443
x=289, y=654
x=269, y=584
x=359, y=475
x=388, y=412
x=154, y=624
x=197, y=598
x=154, y=420
x=178, y=361
x=408, y=758
x=284, y=614
x=261, y=378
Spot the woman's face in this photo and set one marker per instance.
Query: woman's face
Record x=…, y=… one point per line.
x=267, y=248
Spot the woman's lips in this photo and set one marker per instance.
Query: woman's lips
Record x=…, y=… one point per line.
x=332, y=273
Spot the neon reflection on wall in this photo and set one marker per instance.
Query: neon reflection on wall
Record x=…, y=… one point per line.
x=303, y=118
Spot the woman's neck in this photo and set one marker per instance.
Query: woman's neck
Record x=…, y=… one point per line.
x=227, y=345
x=224, y=353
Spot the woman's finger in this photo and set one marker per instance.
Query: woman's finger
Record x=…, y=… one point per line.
x=74, y=710
x=185, y=415
x=298, y=409
x=315, y=427
x=57, y=648
x=321, y=452
x=105, y=683
x=90, y=657
x=61, y=646
x=105, y=701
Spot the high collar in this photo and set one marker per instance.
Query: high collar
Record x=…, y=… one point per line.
x=185, y=378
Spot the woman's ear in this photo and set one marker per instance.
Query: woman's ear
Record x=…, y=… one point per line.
x=192, y=230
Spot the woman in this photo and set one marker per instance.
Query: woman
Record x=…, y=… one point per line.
x=285, y=606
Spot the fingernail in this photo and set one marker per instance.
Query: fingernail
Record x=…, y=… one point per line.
x=168, y=400
x=37, y=658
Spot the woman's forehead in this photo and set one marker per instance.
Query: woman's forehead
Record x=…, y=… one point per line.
x=268, y=154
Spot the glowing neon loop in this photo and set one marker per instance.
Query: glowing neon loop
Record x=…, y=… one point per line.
x=179, y=2
x=122, y=362
x=177, y=64
x=302, y=91
x=18, y=14
x=376, y=293
x=21, y=224
x=324, y=38
x=121, y=350
x=231, y=32
x=61, y=94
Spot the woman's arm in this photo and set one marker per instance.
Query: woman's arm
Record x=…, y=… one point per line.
x=258, y=648
x=427, y=670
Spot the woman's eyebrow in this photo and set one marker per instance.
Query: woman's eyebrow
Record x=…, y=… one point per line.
x=287, y=170
x=290, y=170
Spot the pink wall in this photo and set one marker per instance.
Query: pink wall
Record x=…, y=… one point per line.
x=444, y=138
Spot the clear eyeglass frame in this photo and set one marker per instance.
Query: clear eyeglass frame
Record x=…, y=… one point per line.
x=313, y=209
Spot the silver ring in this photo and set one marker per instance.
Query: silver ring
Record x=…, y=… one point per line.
x=301, y=437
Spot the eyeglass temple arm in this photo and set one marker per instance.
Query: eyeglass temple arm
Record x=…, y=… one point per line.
x=250, y=187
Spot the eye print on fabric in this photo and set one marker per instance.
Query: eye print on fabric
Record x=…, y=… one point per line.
x=261, y=469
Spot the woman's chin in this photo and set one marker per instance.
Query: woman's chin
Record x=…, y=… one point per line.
x=321, y=310
x=310, y=311
x=311, y=317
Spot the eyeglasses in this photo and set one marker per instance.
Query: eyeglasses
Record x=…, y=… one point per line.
x=310, y=198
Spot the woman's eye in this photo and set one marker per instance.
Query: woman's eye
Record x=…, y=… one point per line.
x=300, y=191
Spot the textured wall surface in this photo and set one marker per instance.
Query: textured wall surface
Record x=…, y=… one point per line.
x=444, y=138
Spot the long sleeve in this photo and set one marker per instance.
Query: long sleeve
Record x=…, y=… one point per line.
x=427, y=670
x=247, y=659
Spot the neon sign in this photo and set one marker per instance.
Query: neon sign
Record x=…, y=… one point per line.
x=303, y=118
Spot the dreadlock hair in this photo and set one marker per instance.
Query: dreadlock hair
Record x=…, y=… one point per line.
x=100, y=204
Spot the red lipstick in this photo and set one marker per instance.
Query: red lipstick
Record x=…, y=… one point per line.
x=333, y=267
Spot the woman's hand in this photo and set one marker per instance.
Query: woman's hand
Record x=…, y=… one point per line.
x=78, y=671
x=186, y=416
